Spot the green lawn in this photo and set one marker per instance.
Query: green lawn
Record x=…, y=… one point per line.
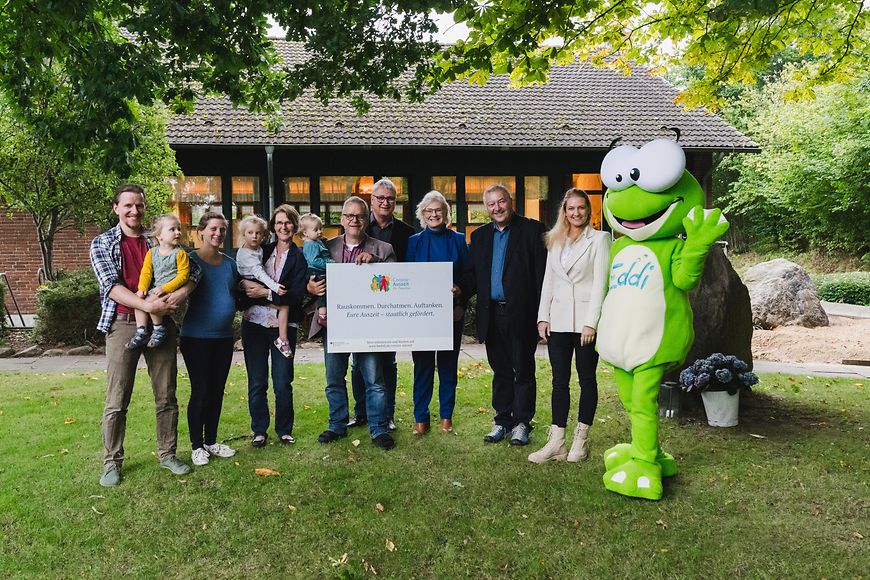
x=783, y=495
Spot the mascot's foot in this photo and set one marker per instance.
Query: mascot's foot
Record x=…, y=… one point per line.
x=621, y=453
x=635, y=478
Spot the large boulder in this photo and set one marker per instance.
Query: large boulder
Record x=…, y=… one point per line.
x=783, y=294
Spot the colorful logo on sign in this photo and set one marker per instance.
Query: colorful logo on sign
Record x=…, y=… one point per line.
x=380, y=283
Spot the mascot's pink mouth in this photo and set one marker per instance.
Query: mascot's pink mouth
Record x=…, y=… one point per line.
x=637, y=224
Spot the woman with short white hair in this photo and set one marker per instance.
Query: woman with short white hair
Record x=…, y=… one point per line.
x=438, y=243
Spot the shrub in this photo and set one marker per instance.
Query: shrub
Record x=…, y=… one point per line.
x=68, y=309
x=847, y=287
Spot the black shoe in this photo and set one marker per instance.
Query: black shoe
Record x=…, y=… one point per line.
x=357, y=422
x=259, y=440
x=384, y=441
x=330, y=436
x=497, y=434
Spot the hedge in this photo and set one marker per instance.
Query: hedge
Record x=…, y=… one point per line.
x=68, y=309
x=847, y=287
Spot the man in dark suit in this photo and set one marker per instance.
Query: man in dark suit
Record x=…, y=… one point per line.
x=508, y=258
x=384, y=226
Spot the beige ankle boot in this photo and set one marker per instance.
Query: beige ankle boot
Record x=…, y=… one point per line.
x=580, y=445
x=554, y=450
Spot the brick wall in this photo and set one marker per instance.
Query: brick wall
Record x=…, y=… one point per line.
x=21, y=260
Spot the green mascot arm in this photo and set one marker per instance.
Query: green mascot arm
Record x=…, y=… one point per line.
x=702, y=231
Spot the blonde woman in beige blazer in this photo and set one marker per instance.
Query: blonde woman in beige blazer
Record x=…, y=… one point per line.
x=575, y=281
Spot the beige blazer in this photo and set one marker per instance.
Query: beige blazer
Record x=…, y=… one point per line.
x=572, y=295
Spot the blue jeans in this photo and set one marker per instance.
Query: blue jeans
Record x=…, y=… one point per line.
x=388, y=364
x=336, y=390
x=424, y=378
x=259, y=347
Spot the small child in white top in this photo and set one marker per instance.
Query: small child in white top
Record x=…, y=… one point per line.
x=249, y=261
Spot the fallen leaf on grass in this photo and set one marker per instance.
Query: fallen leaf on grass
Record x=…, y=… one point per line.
x=757, y=436
x=48, y=455
x=306, y=407
x=291, y=507
x=99, y=513
x=96, y=497
x=402, y=394
x=379, y=507
x=482, y=410
x=63, y=451
x=858, y=535
x=457, y=484
x=662, y=523
x=69, y=420
x=204, y=526
x=265, y=471
x=355, y=442
x=391, y=547
x=336, y=562
x=369, y=568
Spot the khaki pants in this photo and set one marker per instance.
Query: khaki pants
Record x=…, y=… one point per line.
x=121, y=370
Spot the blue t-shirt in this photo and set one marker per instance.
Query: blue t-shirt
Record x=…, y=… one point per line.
x=212, y=304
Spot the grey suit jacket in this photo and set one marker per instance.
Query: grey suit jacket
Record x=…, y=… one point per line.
x=381, y=251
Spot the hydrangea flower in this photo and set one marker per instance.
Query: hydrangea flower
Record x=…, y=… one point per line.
x=724, y=376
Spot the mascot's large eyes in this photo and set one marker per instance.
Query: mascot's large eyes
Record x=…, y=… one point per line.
x=658, y=165
x=616, y=167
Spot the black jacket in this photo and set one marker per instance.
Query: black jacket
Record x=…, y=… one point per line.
x=525, y=263
x=398, y=239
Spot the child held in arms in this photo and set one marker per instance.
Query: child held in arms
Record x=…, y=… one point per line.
x=165, y=270
x=316, y=255
x=249, y=261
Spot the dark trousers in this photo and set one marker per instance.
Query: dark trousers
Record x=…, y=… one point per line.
x=511, y=354
x=208, y=362
x=358, y=385
x=424, y=378
x=562, y=346
x=259, y=349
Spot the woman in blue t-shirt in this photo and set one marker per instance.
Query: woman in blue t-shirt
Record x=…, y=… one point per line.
x=207, y=339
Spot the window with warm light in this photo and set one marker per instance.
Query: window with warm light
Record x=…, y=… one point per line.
x=193, y=196
x=591, y=184
x=297, y=192
x=334, y=189
x=246, y=201
x=537, y=205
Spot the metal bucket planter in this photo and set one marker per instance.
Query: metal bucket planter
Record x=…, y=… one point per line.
x=721, y=408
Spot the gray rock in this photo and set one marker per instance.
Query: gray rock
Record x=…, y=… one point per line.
x=238, y=346
x=34, y=350
x=6, y=351
x=79, y=350
x=722, y=313
x=54, y=352
x=783, y=294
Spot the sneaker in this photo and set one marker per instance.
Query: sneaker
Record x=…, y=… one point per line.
x=259, y=440
x=384, y=441
x=391, y=425
x=497, y=434
x=175, y=465
x=287, y=439
x=199, y=456
x=330, y=436
x=220, y=450
x=158, y=335
x=357, y=422
x=139, y=339
x=111, y=475
x=520, y=434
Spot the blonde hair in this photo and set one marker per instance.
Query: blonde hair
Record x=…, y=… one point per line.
x=252, y=219
x=309, y=218
x=559, y=232
x=427, y=200
x=158, y=223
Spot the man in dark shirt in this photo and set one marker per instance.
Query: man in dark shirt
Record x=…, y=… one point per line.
x=384, y=226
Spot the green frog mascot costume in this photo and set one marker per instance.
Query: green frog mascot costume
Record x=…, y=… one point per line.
x=646, y=321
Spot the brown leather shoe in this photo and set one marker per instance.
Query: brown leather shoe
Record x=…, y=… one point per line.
x=446, y=426
x=421, y=428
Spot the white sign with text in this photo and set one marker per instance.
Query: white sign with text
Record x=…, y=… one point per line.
x=391, y=306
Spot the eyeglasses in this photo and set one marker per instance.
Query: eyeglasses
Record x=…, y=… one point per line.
x=433, y=211
x=353, y=217
x=384, y=199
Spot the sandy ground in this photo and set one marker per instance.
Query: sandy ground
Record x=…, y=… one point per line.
x=845, y=338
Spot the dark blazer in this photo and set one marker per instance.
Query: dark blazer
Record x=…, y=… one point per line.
x=399, y=238
x=293, y=277
x=525, y=263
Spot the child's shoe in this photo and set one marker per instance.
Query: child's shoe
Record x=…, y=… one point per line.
x=283, y=347
x=139, y=339
x=157, y=336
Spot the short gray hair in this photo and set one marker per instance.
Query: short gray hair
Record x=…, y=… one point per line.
x=357, y=200
x=427, y=200
x=385, y=183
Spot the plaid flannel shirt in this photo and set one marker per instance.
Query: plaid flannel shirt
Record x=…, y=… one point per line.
x=106, y=261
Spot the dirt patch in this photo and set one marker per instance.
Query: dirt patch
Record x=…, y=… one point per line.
x=845, y=338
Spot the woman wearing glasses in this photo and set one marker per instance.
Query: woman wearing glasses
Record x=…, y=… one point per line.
x=438, y=243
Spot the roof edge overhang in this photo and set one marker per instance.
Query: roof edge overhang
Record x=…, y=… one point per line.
x=368, y=147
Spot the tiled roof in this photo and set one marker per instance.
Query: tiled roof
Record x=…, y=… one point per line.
x=581, y=107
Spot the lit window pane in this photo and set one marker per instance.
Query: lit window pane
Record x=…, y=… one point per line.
x=537, y=205
x=193, y=196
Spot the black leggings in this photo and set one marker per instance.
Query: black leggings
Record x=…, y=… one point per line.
x=562, y=346
x=208, y=362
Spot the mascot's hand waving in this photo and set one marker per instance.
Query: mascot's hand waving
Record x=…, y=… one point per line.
x=646, y=321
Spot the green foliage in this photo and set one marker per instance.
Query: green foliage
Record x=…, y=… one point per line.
x=809, y=188
x=848, y=288
x=68, y=309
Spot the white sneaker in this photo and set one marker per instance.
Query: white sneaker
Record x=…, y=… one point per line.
x=220, y=450
x=199, y=456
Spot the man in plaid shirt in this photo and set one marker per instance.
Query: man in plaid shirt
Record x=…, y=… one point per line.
x=117, y=257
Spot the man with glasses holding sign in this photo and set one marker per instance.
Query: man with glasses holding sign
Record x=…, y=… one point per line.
x=354, y=246
x=384, y=226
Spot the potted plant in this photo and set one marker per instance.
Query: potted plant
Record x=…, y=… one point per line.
x=719, y=378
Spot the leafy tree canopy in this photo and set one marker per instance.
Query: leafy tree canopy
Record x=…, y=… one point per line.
x=358, y=49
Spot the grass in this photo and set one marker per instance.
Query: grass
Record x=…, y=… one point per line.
x=794, y=503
